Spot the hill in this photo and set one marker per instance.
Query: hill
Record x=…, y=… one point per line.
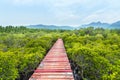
x=115, y=25
x=52, y=27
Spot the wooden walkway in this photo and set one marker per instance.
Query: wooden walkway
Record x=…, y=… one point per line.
x=55, y=65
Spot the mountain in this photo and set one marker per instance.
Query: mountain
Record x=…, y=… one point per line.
x=115, y=25
x=97, y=24
x=52, y=27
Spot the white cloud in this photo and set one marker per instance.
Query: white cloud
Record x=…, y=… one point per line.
x=55, y=3
x=63, y=3
x=103, y=15
x=21, y=1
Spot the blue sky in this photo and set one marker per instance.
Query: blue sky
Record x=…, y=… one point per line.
x=58, y=12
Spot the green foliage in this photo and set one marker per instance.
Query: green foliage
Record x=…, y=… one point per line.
x=8, y=63
x=96, y=52
x=21, y=50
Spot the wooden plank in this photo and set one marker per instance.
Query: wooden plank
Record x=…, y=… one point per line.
x=55, y=65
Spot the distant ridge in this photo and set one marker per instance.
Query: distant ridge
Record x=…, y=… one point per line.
x=115, y=25
x=52, y=27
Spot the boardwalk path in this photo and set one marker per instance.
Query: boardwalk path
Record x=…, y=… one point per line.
x=55, y=65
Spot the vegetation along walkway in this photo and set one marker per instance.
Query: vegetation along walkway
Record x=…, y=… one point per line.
x=55, y=65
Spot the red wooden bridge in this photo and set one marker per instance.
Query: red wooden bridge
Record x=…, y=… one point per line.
x=55, y=65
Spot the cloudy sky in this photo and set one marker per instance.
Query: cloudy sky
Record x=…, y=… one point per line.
x=58, y=12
